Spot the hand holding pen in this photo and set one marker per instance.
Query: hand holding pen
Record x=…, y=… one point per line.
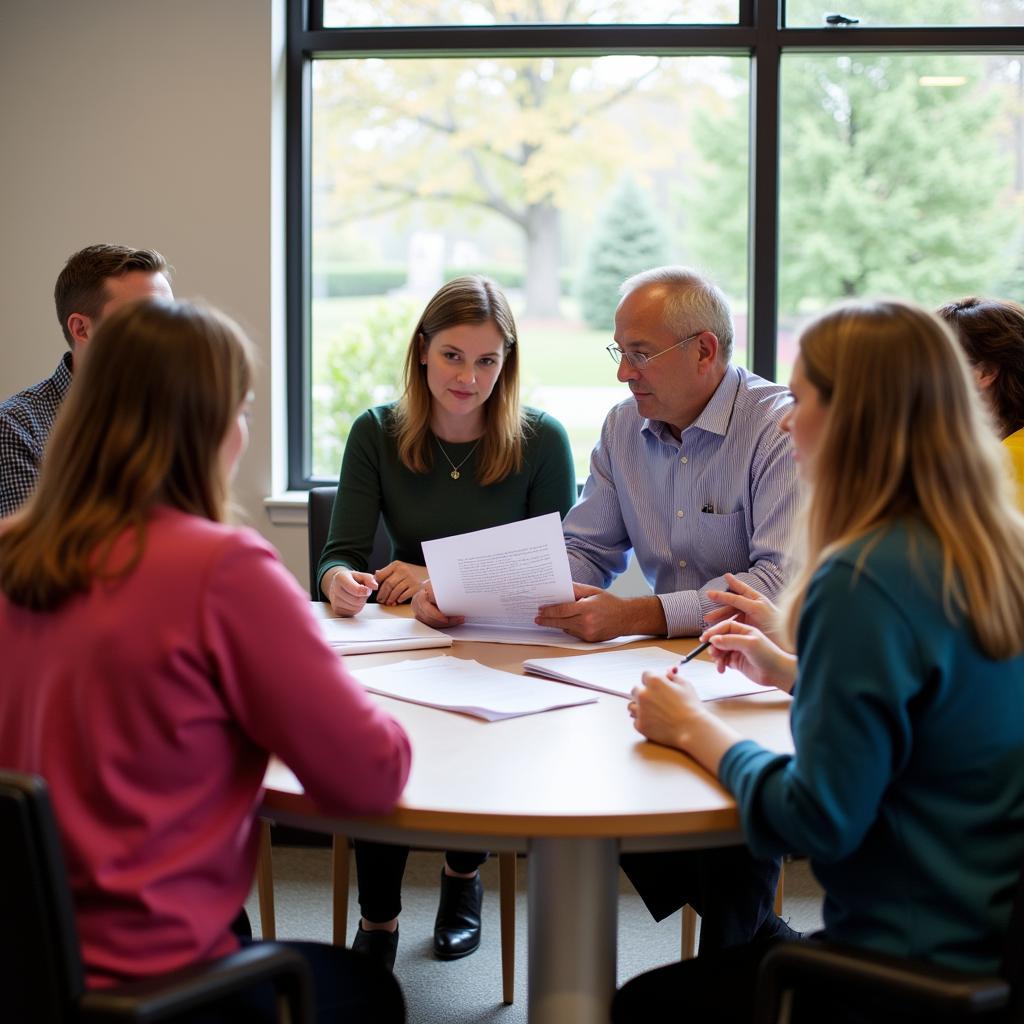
x=700, y=648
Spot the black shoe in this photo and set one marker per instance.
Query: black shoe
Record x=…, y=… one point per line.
x=457, y=927
x=773, y=927
x=378, y=945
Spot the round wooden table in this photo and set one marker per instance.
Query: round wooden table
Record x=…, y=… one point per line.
x=572, y=788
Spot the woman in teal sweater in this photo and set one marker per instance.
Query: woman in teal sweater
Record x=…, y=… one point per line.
x=456, y=453
x=906, y=788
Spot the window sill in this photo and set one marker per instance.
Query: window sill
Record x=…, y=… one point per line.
x=289, y=508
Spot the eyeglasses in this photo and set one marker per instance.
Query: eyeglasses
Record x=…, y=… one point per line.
x=637, y=359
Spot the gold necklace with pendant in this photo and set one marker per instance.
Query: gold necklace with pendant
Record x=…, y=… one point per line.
x=455, y=474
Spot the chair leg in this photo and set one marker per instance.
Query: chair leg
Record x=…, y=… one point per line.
x=507, y=875
x=689, y=938
x=779, y=890
x=265, y=884
x=339, y=874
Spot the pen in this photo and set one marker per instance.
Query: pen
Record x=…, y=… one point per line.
x=699, y=649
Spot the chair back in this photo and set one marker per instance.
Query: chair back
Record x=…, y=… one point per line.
x=321, y=505
x=1012, y=968
x=40, y=968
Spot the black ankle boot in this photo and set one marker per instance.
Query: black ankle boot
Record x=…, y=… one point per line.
x=457, y=928
x=378, y=945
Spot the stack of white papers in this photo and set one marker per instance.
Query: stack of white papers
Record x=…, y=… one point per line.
x=619, y=671
x=455, y=684
x=535, y=636
x=372, y=631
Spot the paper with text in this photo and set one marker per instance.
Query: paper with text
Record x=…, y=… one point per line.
x=502, y=575
x=619, y=671
x=455, y=684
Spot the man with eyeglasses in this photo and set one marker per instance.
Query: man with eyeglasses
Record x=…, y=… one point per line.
x=693, y=474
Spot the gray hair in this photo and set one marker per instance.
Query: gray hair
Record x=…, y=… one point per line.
x=693, y=303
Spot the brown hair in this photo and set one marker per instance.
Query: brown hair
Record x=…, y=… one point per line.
x=991, y=332
x=464, y=300
x=81, y=285
x=906, y=436
x=142, y=426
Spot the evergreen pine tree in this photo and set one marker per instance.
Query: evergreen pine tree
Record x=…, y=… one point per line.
x=627, y=239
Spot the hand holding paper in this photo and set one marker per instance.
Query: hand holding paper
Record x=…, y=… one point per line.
x=503, y=575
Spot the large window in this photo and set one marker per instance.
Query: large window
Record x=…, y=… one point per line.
x=548, y=174
x=558, y=147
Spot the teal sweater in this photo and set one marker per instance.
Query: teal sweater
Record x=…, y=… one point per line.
x=423, y=506
x=907, y=786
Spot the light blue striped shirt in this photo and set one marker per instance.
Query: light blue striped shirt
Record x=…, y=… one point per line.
x=720, y=499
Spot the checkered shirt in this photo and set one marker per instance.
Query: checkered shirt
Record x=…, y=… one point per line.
x=25, y=423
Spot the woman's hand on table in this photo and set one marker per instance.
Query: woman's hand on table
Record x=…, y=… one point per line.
x=424, y=607
x=738, y=645
x=399, y=581
x=744, y=604
x=666, y=709
x=348, y=590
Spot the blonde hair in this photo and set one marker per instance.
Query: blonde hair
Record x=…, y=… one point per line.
x=464, y=300
x=143, y=426
x=906, y=435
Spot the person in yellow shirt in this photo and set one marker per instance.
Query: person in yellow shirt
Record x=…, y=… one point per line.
x=991, y=332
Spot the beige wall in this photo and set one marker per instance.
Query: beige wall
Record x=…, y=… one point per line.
x=152, y=123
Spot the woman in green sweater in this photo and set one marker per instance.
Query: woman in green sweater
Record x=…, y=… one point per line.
x=456, y=453
x=906, y=788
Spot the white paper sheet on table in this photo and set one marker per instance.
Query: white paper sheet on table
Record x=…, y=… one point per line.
x=456, y=684
x=501, y=576
x=619, y=671
x=536, y=636
x=373, y=631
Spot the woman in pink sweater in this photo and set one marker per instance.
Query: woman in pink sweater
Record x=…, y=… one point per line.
x=153, y=657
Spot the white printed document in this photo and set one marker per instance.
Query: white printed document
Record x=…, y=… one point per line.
x=536, y=636
x=619, y=671
x=455, y=684
x=501, y=576
x=374, y=630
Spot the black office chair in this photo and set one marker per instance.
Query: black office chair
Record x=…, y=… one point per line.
x=854, y=975
x=321, y=503
x=41, y=976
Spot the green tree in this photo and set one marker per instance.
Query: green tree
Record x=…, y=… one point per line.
x=514, y=138
x=628, y=238
x=888, y=186
x=359, y=366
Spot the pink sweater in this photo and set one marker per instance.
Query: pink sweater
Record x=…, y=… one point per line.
x=150, y=705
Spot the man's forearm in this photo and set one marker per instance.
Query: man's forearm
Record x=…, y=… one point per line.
x=643, y=615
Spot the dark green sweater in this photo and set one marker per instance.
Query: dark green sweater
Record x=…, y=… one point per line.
x=907, y=788
x=424, y=506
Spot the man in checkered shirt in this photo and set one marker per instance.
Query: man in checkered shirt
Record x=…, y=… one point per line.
x=94, y=282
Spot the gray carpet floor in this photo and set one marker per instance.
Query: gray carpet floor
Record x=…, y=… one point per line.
x=469, y=990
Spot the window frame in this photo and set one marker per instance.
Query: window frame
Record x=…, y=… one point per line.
x=759, y=34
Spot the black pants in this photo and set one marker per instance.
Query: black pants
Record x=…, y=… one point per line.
x=379, y=871
x=720, y=988
x=732, y=890
x=347, y=987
